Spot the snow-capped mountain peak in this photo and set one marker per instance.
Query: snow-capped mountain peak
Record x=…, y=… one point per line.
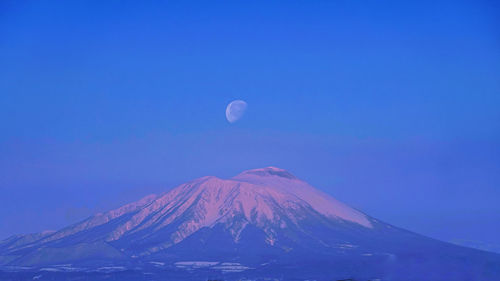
x=270, y=199
x=266, y=172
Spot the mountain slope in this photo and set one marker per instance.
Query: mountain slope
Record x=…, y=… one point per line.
x=261, y=217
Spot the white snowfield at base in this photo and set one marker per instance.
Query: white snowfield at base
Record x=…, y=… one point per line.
x=196, y=264
x=157, y=263
x=111, y=268
x=222, y=266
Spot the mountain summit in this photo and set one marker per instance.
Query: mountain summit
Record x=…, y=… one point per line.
x=260, y=219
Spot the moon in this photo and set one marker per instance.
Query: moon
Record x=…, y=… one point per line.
x=235, y=110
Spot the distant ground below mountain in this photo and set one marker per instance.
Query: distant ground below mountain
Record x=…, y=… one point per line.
x=485, y=246
x=262, y=223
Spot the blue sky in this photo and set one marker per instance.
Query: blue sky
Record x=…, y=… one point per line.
x=390, y=106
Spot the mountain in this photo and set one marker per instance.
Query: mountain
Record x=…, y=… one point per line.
x=261, y=223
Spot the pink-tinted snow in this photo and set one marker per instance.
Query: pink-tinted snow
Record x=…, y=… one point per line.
x=262, y=197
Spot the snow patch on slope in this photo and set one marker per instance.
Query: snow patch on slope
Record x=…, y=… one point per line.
x=282, y=180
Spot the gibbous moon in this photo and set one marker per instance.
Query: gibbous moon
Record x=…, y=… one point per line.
x=235, y=110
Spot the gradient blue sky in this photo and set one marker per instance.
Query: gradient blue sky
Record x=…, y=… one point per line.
x=390, y=106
